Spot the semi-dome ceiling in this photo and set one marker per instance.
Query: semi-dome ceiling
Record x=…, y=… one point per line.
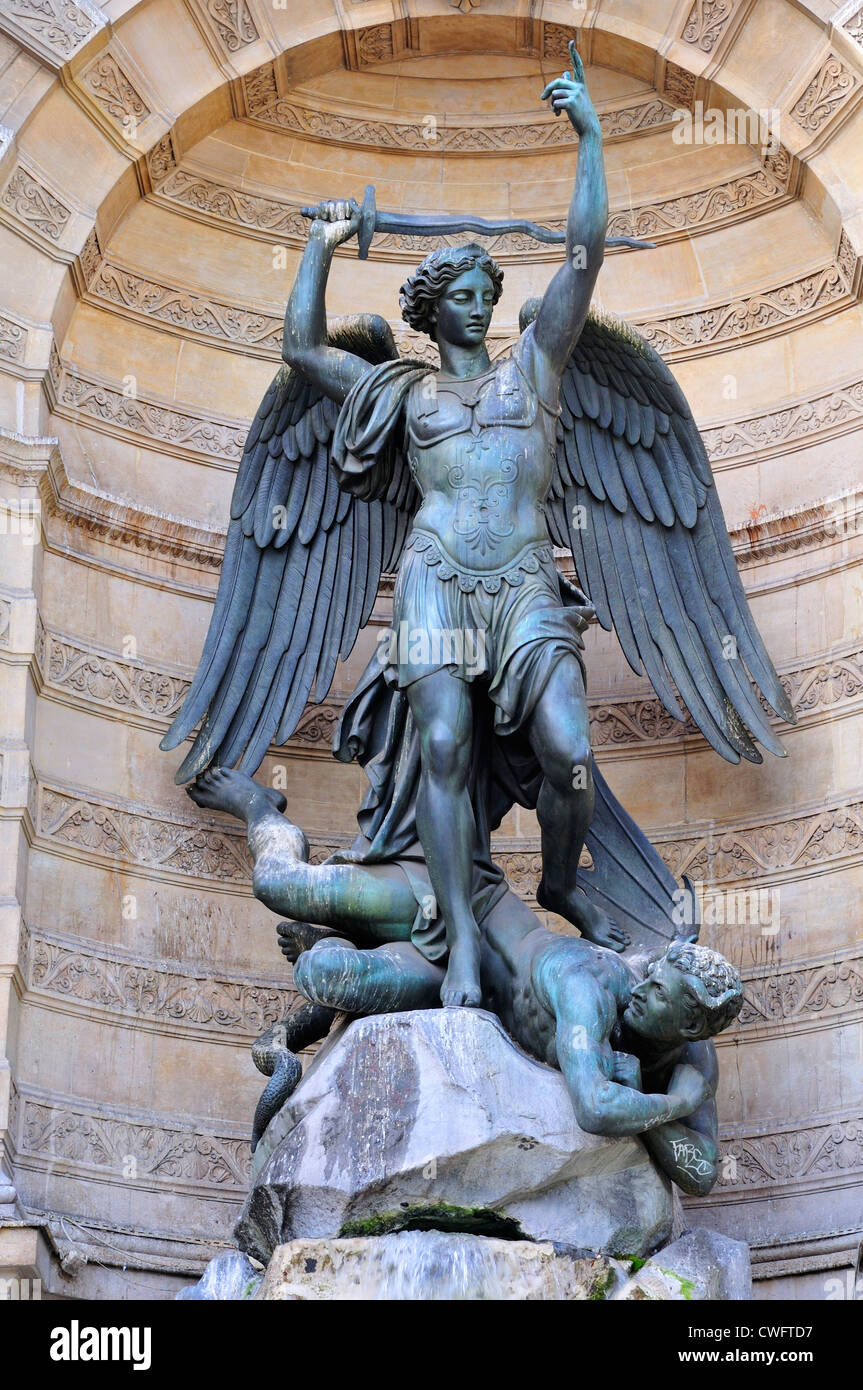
x=166, y=160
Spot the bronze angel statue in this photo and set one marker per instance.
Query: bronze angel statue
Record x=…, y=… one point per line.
x=461, y=480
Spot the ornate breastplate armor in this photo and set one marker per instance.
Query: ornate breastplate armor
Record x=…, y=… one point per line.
x=473, y=447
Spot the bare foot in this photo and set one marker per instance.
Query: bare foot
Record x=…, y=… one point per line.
x=461, y=987
x=296, y=937
x=594, y=924
x=224, y=789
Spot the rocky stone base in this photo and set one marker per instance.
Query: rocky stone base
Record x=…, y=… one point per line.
x=436, y=1266
x=436, y=1120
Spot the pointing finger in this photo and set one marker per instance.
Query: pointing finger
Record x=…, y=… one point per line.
x=577, y=65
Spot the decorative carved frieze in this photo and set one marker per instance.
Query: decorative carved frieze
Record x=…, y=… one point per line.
x=662, y=220
x=823, y=96
x=137, y=835
x=91, y=255
x=724, y=854
x=706, y=23
x=228, y=204
x=260, y=88
x=776, y=429
x=161, y=159
x=33, y=204
x=555, y=42
x=130, y=687
x=799, y=1154
x=114, y=92
x=800, y=993
x=750, y=316
x=13, y=339
x=231, y=21
x=5, y=621
x=74, y=669
x=97, y=402
x=421, y=137
x=679, y=84
x=60, y=26
x=709, y=207
x=140, y=1148
x=853, y=25
x=375, y=44
x=196, y=313
x=171, y=993
x=786, y=844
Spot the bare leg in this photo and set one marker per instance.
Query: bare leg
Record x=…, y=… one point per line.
x=388, y=979
x=441, y=707
x=559, y=736
x=343, y=896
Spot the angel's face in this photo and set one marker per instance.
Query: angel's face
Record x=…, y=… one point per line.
x=464, y=309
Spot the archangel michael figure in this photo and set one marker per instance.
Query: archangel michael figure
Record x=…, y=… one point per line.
x=462, y=480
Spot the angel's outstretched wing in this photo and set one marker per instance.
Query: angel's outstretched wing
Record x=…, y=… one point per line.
x=633, y=498
x=302, y=564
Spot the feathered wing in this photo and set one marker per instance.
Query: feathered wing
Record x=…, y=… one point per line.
x=633, y=497
x=302, y=564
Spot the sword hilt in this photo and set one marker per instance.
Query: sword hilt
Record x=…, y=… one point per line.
x=366, y=229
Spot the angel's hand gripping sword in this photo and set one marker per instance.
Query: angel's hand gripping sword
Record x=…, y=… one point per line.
x=371, y=221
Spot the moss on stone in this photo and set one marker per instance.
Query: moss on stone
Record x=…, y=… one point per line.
x=602, y=1286
x=477, y=1221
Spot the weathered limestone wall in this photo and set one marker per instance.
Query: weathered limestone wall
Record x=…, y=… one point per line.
x=153, y=160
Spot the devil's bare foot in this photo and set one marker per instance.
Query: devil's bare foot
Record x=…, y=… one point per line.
x=594, y=924
x=224, y=789
x=296, y=937
x=461, y=987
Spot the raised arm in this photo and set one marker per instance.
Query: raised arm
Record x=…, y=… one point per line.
x=687, y=1149
x=304, y=344
x=602, y=1105
x=566, y=301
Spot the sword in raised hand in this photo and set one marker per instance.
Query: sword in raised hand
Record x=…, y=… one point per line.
x=372, y=220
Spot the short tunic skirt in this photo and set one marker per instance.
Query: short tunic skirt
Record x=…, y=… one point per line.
x=509, y=629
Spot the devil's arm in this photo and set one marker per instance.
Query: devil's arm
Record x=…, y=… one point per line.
x=304, y=344
x=584, y=1013
x=687, y=1149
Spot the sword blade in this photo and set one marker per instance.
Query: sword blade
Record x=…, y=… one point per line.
x=413, y=224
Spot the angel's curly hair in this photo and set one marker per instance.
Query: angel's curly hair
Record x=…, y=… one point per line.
x=714, y=986
x=421, y=291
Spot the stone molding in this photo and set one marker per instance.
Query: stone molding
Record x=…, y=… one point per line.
x=169, y=995
x=138, y=835
x=825, y=95
x=75, y=671
x=853, y=25
x=53, y=29
x=821, y=837
x=763, y=314
x=102, y=517
x=708, y=328
x=790, y=844
x=799, y=995
x=382, y=132
x=799, y=1154
x=76, y=395
x=707, y=22
x=27, y=201
x=818, y=417
x=179, y=1156
x=114, y=92
x=259, y=215
x=229, y=23
x=180, y=543
x=180, y=995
